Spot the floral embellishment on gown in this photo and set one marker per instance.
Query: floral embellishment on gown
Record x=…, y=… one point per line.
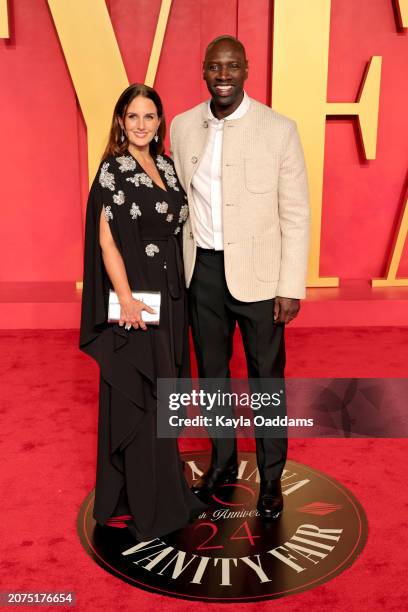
x=108, y=213
x=126, y=163
x=107, y=179
x=141, y=178
x=151, y=249
x=183, y=213
x=162, y=207
x=169, y=217
x=135, y=211
x=169, y=173
x=119, y=198
x=177, y=230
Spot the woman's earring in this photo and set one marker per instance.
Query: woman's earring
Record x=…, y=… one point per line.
x=122, y=138
x=156, y=138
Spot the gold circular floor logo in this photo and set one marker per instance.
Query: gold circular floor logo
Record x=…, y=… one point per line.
x=229, y=554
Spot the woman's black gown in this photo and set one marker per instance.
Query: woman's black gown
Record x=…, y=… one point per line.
x=137, y=473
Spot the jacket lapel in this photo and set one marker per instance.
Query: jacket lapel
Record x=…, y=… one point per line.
x=197, y=145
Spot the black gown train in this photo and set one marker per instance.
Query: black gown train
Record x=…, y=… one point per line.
x=137, y=473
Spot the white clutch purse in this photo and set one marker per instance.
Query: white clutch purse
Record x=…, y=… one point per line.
x=150, y=298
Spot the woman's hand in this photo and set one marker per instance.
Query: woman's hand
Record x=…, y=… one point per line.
x=130, y=309
x=131, y=313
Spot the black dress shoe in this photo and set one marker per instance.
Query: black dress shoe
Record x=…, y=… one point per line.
x=214, y=478
x=270, y=502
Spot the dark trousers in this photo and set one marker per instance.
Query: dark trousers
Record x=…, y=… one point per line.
x=214, y=313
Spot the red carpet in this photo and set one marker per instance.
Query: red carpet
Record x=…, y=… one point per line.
x=48, y=448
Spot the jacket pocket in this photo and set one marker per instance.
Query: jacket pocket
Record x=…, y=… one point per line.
x=261, y=174
x=266, y=252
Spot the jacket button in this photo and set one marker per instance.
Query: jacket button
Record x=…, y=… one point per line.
x=194, y=160
x=205, y=124
x=191, y=234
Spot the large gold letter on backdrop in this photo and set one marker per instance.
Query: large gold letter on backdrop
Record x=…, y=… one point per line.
x=299, y=90
x=402, y=8
x=391, y=279
x=4, y=27
x=95, y=64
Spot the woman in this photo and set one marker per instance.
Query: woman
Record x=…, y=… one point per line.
x=135, y=213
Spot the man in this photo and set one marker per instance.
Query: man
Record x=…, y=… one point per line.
x=245, y=243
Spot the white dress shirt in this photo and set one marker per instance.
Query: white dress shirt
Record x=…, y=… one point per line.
x=206, y=182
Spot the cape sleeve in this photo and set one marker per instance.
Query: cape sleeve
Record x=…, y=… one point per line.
x=118, y=352
x=96, y=284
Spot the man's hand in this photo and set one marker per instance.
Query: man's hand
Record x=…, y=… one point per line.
x=285, y=309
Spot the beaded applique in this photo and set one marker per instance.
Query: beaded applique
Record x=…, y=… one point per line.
x=141, y=178
x=107, y=179
x=108, y=213
x=162, y=207
x=151, y=249
x=183, y=213
x=126, y=163
x=135, y=211
x=119, y=198
x=169, y=173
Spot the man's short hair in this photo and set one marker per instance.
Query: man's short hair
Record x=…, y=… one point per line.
x=228, y=38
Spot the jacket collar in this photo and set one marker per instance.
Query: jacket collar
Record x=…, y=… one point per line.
x=237, y=114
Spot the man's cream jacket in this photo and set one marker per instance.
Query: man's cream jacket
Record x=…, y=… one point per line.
x=266, y=215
